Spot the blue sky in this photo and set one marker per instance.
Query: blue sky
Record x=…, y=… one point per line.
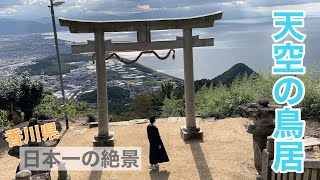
x=33, y=9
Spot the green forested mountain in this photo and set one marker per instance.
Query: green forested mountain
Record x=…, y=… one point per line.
x=227, y=77
x=49, y=65
x=118, y=99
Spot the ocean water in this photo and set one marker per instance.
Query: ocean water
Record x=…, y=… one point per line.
x=235, y=42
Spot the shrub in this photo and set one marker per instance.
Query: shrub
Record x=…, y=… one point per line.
x=50, y=106
x=172, y=108
x=78, y=109
x=310, y=106
x=222, y=101
x=3, y=117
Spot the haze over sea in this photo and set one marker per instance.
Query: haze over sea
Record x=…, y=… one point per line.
x=243, y=35
x=236, y=41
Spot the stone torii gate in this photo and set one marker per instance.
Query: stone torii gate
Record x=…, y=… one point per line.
x=143, y=28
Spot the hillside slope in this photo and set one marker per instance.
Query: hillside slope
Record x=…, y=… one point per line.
x=227, y=77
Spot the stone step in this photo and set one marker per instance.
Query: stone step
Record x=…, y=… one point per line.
x=139, y=121
x=311, y=142
x=121, y=123
x=93, y=124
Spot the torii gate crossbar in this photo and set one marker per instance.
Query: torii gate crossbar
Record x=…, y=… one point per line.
x=143, y=28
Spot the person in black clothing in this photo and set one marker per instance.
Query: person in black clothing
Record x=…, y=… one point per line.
x=157, y=153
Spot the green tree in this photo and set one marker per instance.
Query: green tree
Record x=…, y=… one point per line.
x=31, y=93
x=172, y=108
x=178, y=92
x=118, y=99
x=3, y=117
x=166, y=90
x=78, y=109
x=142, y=106
x=50, y=106
x=9, y=97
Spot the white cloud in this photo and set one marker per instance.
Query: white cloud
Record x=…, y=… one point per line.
x=234, y=3
x=73, y=8
x=312, y=9
x=144, y=7
x=35, y=2
x=8, y=11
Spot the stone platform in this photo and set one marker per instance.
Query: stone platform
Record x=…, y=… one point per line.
x=190, y=133
x=104, y=141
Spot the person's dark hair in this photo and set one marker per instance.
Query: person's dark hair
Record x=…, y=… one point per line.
x=152, y=119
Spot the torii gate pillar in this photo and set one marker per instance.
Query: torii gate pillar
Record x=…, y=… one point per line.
x=104, y=137
x=190, y=130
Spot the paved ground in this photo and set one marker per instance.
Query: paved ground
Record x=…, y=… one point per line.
x=225, y=153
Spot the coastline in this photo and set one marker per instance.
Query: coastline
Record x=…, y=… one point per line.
x=152, y=70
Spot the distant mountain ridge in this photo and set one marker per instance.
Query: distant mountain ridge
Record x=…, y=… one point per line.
x=15, y=26
x=44, y=24
x=227, y=77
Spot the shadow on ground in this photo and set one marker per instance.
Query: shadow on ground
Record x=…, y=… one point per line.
x=4, y=147
x=64, y=132
x=95, y=175
x=199, y=159
x=159, y=175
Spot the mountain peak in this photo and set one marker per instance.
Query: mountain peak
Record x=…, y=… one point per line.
x=238, y=69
